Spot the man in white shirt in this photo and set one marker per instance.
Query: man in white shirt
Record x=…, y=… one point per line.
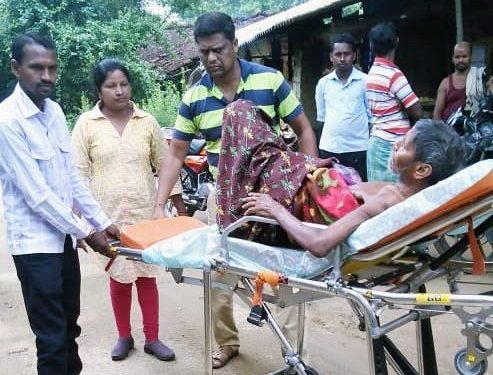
x=41, y=188
x=342, y=107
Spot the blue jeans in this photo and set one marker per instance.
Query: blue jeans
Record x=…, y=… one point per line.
x=51, y=289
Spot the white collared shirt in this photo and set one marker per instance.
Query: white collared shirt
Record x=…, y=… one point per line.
x=343, y=108
x=40, y=184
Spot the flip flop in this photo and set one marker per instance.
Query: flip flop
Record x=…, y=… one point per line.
x=222, y=355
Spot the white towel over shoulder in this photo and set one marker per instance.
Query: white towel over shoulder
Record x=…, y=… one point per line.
x=474, y=88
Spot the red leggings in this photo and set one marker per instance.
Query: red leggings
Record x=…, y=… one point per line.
x=121, y=300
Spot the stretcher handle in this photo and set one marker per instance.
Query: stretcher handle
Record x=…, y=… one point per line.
x=132, y=254
x=129, y=252
x=246, y=219
x=237, y=224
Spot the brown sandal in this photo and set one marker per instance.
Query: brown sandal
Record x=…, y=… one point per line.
x=222, y=355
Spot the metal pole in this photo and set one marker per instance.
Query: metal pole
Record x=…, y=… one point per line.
x=419, y=346
x=301, y=329
x=371, y=351
x=458, y=21
x=207, y=320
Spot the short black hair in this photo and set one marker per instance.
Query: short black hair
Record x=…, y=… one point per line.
x=211, y=23
x=383, y=38
x=106, y=66
x=439, y=145
x=30, y=37
x=342, y=38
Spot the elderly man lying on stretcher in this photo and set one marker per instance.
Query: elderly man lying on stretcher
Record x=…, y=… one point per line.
x=256, y=165
x=259, y=175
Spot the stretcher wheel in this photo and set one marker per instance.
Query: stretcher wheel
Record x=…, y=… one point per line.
x=462, y=367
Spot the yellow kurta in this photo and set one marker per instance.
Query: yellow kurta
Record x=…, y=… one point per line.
x=119, y=172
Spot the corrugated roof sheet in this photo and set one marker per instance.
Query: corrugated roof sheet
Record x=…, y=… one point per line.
x=255, y=30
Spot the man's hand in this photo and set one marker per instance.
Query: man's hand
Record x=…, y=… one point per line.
x=260, y=204
x=98, y=242
x=181, y=208
x=82, y=245
x=112, y=232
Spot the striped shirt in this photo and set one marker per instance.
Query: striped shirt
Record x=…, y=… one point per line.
x=388, y=93
x=39, y=180
x=202, y=106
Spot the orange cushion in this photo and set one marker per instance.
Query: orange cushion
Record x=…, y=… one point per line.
x=148, y=232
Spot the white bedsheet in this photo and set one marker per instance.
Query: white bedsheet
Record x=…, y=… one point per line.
x=191, y=249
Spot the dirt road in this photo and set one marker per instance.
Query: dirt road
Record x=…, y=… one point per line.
x=335, y=345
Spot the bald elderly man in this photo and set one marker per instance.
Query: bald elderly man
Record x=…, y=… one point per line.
x=463, y=88
x=451, y=93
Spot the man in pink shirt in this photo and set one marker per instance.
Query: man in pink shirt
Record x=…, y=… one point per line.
x=393, y=104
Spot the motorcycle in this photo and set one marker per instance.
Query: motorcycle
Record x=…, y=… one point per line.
x=196, y=179
x=476, y=130
x=477, y=133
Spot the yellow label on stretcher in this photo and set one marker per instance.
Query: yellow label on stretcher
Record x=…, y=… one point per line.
x=471, y=358
x=432, y=299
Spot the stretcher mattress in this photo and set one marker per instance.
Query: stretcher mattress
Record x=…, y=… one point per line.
x=465, y=186
x=193, y=248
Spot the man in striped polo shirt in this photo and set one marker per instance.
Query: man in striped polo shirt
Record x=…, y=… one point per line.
x=227, y=79
x=393, y=104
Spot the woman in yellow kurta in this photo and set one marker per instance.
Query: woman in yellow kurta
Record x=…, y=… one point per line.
x=116, y=147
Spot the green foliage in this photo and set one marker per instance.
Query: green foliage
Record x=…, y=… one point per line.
x=79, y=49
x=235, y=8
x=85, y=32
x=163, y=103
x=85, y=105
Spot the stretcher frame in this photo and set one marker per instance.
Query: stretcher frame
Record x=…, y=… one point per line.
x=369, y=303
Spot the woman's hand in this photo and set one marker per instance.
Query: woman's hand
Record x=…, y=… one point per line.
x=158, y=212
x=261, y=204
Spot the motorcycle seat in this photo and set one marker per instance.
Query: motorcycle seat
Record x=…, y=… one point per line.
x=196, y=146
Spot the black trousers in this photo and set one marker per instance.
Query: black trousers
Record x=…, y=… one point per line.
x=356, y=159
x=51, y=290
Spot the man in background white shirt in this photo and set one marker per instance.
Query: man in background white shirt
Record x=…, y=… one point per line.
x=342, y=106
x=41, y=188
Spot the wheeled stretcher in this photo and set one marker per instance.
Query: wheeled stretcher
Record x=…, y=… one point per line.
x=385, y=264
